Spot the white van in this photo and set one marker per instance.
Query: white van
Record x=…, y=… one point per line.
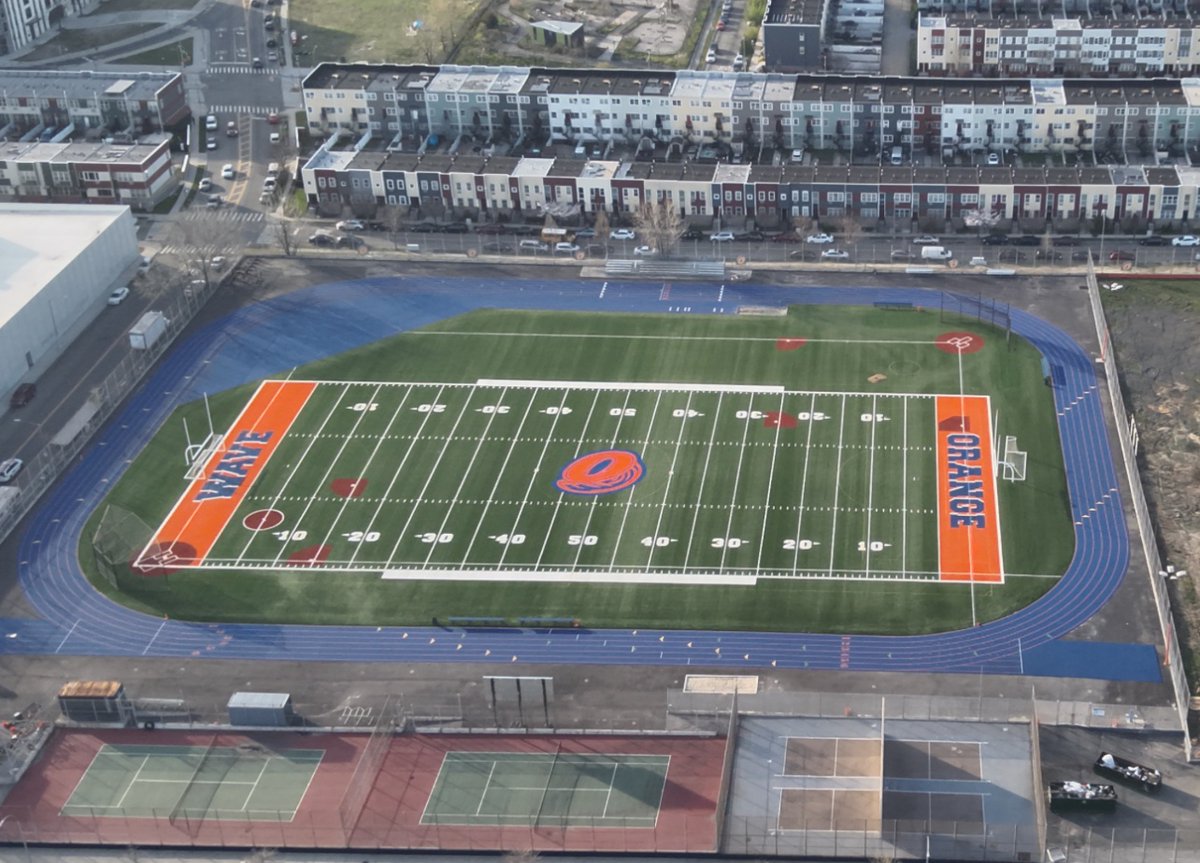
x=533, y=245
x=897, y=155
x=936, y=253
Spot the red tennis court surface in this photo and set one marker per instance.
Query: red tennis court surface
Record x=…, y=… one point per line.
x=333, y=814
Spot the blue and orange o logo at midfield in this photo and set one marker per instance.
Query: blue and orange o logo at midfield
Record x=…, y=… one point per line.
x=602, y=472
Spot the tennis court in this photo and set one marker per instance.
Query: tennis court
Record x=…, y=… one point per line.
x=548, y=789
x=242, y=783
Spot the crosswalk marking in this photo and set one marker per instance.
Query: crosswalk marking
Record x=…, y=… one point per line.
x=230, y=214
x=210, y=251
x=238, y=69
x=256, y=110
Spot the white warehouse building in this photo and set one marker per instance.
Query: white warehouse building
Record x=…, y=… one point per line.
x=58, y=263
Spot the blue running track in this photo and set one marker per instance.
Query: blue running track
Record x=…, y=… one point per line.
x=271, y=337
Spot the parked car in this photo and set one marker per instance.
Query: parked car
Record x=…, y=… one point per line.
x=22, y=395
x=803, y=255
x=786, y=237
x=750, y=237
x=272, y=57
x=533, y=246
x=819, y=239
x=499, y=247
x=720, y=26
x=926, y=240
x=1011, y=256
x=1152, y=240
x=349, y=241
x=321, y=239
x=711, y=56
x=210, y=123
x=565, y=248
x=213, y=202
x=454, y=228
x=351, y=225
x=901, y=255
x=1122, y=255
x=1026, y=240
x=1079, y=256
x=621, y=234
x=692, y=234
x=1130, y=772
x=995, y=240
x=227, y=172
x=585, y=233
x=1186, y=240
x=1065, y=241
x=645, y=251
x=274, y=137
x=739, y=60
x=269, y=184
x=271, y=43
x=993, y=159
x=9, y=468
x=722, y=237
x=211, y=143
x=835, y=255
x=204, y=185
x=118, y=296
x=1044, y=255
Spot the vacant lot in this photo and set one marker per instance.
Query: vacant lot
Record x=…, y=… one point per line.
x=402, y=31
x=71, y=41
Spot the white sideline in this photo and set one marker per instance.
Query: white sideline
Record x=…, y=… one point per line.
x=567, y=575
x=624, y=386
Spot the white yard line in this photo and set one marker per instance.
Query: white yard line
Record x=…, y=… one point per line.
x=904, y=492
x=837, y=485
x=629, y=386
x=632, y=490
x=629, y=337
x=463, y=477
x=324, y=481
x=670, y=476
x=385, y=498
x=587, y=524
x=737, y=478
x=431, y=473
x=812, y=408
x=536, y=473
x=762, y=534
x=362, y=473
x=703, y=477
x=871, y=482
x=499, y=475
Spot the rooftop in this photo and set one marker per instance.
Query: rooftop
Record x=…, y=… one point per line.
x=794, y=11
x=83, y=84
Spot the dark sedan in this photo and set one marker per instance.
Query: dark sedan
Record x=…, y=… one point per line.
x=1152, y=240
x=995, y=240
x=1122, y=255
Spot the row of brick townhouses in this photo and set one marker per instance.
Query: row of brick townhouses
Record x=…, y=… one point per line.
x=138, y=175
x=503, y=142
x=958, y=44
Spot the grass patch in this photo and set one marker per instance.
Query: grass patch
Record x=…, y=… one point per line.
x=714, y=350
x=172, y=54
x=88, y=38
x=330, y=33
x=166, y=204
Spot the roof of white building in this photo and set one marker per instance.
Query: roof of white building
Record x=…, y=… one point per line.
x=37, y=241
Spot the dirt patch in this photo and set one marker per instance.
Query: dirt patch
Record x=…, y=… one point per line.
x=1154, y=326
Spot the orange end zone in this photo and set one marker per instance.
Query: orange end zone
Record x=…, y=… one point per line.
x=968, y=517
x=193, y=526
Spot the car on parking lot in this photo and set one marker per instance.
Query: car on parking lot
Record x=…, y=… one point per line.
x=720, y=25
x=995, y=240
x=621, y=234
x=349, y=241
x=787, y=237
x=738, y=60
x=210, y=123
x=750, y=237
x=1079, y=256
x=351, y=225
x=1152, y=240
x=565, y=248
x=257, y=63
x=1186, y=240
x=321, y=238
x=204, y=185
x=268, y=25
x=1122, y=255
x=645, y=251
x=1065, y=241
x=227, y=172
x=835, y=255
x=722, y=237
x=271, y=43
x=9, y=468
x=211, y=143
x=1026, y=240
x=274, y=137
x=1011, y=256
x=1047, y=255
x=272, y=57
x=22, y=395
x=901, y=255
x=819, y=239
x=711, y=56
x=213, y=201
x=803, y=255
x=118, y=296
x=692, y=234
x=993, y=159
x=498, y=247
x=926, y=240
x=269, y=184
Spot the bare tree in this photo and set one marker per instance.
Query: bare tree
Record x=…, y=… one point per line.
x=394, y=220
x=200, y=245
x=285, y=234
x=851, y=230
x=602, y=227
x=660, y=225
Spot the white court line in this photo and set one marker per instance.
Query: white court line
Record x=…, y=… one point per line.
x=486, y=785
x=137, y=773
x=612, y=780
x=491, y=418
x=362, y=472
x=324, y=480
x=812, y=409
x=254, y=786
x=387, y=492
x=432, y=472
x=737, y=478
x=499, y=476
x=762, y=534
x=670, y=476
x=533, y=477
x=837, y=484
x=592, y=504
x=687, y=554
x=633, y=489
x=871, y=483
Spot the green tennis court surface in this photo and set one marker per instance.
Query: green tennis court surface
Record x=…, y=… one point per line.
x=241, y=783
x=505, y=788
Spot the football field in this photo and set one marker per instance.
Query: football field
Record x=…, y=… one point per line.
x=732, y=459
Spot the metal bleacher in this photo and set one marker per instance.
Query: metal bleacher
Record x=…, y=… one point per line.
x=665, y=268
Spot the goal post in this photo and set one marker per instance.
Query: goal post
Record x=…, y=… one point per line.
x=1014, y=460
